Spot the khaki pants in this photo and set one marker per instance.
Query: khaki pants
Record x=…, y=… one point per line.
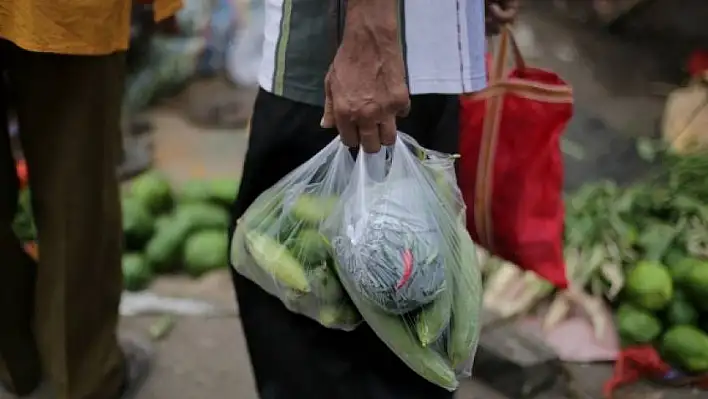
x=58, y=318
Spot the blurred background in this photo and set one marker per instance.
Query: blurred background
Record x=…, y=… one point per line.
x=188, y=99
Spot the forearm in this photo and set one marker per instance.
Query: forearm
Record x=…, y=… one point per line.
x=372, y=26
x=376, y=19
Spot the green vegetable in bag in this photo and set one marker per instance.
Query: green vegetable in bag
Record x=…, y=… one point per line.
x=334, y=315
x=434, y=319
x=466, y=303
x=397, y=335
x=312, y=210
x=263, y=214
x=277, y=261
x=310, y=248
x=325, y=285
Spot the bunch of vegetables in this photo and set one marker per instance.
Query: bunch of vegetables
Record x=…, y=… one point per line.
x=643, y=248
x=278, y=245
x=168, y=231
x=284, y=244
x=164, y=230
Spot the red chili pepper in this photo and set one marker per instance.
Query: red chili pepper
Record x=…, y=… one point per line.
x=407, y=268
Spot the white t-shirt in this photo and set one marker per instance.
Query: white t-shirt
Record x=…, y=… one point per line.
x=443, y=43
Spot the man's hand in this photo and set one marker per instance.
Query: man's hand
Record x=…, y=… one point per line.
x=500, y=12
x=365, y=87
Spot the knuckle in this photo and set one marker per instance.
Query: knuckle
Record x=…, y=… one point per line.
x=368, y=111
x=403, y=102
x=341, y=110
x=399, y=99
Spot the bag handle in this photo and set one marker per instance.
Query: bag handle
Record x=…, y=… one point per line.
x=492, y=118
x=506, y=43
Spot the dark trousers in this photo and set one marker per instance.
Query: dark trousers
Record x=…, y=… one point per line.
x=292, y=356
x=59, y=317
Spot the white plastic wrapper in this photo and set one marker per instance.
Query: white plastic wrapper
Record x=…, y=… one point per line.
x=404, y=257
x=279, y=245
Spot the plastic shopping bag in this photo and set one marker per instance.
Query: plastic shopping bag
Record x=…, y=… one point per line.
x=278, y=242
x=511, y=165
x=406, y=260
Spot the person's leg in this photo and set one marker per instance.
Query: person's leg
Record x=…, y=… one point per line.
x=68, y=110
x=434, y=122
x=19, y=362
x=292, y=356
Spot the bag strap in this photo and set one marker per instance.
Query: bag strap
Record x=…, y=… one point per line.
x=490, y=129
x=499, y=83
x=493, y=96
x=507, y=43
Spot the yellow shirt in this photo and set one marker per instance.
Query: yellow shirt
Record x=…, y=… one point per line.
x=82, y=27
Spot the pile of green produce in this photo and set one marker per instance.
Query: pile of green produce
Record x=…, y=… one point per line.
x=666, y=306
x=645, y=247
x=170, y=231
x=164, y=231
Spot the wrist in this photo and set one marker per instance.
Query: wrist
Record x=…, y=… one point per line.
x=375, y=19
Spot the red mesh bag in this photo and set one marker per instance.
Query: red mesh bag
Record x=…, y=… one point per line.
x=511, y=165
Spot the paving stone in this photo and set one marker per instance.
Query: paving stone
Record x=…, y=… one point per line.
x=515, y=363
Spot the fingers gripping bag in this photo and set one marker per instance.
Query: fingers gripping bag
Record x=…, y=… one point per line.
x=404, y=257
x=278, y=243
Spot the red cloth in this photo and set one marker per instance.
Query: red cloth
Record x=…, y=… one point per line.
x=698, y=63
x=639, y=362
x=22, y=173
x=511, y=165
